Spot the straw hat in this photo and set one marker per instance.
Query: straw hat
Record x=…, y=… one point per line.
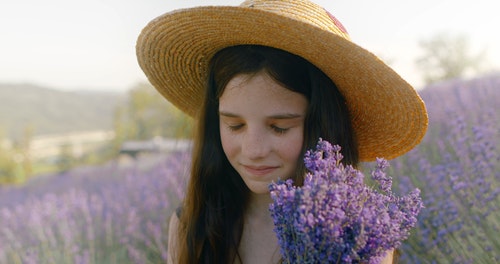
x=173, y=50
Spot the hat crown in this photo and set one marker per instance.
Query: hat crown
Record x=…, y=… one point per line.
x=302, y=10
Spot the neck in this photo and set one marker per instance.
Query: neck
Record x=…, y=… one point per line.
x=258, y=206
x=259, y=243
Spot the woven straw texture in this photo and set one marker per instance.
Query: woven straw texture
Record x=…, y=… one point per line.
x=174, y=50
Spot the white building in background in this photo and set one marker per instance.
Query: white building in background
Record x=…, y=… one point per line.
x=79, y=143
x=5, y=144
x=157, y=144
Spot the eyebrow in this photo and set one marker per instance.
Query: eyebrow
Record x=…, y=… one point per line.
x=276, y=116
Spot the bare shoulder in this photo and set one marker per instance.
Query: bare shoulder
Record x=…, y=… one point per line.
x=388, y=259
x=174, y=224
x=173, y=228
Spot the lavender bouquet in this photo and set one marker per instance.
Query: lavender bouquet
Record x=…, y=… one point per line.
x=335, y=217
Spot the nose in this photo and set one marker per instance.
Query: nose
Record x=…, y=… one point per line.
x=255, y=144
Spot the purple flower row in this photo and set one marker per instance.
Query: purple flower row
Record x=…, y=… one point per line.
x=105, y=215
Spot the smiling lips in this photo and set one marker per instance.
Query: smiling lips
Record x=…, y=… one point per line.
x=260, y=170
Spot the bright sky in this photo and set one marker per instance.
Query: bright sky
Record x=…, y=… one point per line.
x=90, y=44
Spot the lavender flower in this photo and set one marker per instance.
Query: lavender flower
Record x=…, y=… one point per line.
x=334, y=217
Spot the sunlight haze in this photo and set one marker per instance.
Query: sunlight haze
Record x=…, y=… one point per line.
x=67, y=44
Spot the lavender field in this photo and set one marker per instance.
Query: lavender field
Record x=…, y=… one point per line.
x=457, y=167
x=118, y=213
x=111, y=214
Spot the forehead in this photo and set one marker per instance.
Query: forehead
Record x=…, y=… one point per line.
x=259, y=92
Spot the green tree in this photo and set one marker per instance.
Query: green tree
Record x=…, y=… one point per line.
x=24, y=146
x=446, y=56
x=7, y=162
x=15, y=158
x=147, y=114
x=66, y=159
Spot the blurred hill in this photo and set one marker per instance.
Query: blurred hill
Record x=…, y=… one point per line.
x=49, y=111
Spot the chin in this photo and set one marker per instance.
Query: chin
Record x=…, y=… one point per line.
x=260, y=188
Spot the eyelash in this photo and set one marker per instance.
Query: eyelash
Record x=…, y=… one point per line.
x=276, y=129
x=235, y=127
x=279, y=130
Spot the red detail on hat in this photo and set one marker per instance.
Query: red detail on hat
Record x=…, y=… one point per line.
x=336, y=22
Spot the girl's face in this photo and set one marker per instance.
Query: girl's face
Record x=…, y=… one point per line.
x=261, y=128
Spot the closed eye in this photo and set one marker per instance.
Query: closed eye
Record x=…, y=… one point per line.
x=235, y=127
x=279, y=130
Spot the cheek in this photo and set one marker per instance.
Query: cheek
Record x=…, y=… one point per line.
x=292, y=148
x=228, y=142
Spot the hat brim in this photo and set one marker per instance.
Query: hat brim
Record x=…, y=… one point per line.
x=174, y=50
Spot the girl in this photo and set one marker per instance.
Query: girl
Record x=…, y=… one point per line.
x=264, y=85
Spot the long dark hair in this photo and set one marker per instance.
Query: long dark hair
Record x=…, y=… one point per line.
x=211, y=222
